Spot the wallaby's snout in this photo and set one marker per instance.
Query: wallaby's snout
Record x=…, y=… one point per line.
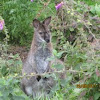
x=47, y=37
x=47, y=40
x=42, y=29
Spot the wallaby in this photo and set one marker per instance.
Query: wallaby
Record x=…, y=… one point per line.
x=37, y=61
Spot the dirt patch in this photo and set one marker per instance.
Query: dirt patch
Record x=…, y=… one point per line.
x=21, y=50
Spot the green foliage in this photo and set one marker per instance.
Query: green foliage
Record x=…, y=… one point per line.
x=10, y=70
x=81, y=59
x=4, y=33
x=10, y=66
x=18, y=15
x=95, y=10
x=75, y=24
x=7, y=92
x=78, y=60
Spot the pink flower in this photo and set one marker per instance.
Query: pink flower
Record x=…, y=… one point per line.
x=1, y=24
x=97, y=72
x=59, y=5
x=32, y=0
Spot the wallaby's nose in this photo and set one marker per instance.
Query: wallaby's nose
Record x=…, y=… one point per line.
x=47, y=40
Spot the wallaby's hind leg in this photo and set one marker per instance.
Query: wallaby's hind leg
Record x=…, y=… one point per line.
x=23, y=89
x=27, y=90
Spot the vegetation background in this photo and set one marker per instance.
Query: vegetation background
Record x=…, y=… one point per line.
x=75, y=31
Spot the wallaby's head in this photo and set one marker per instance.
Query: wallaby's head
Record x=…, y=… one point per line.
x=42, y=31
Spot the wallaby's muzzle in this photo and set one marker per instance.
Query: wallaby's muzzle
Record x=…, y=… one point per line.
x=47, y=40
x=47, y=37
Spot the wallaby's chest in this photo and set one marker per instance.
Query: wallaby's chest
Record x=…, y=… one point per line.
x=41, y=59
x=43, y=53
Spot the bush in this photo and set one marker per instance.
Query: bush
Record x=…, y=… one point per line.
x=10, y=66
x=70, y=30
x=18, y=15
x=75, y=23
x=95, y=10
x=3, y=30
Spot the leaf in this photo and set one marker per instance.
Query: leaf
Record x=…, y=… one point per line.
x=51, y=59
x=12, y=11
x=96, y=95
x=1, y=88
x=71, y=29
x=54, y=39
x=18, y=98
x=77, y=91
x=1, y=98
x=4, y=70
x=58, y=66
x=54, y=34
x=55, y=88
x=54, y=52
x=97, y=9
x=93, y=9
x=60, y=54
x=66, y=81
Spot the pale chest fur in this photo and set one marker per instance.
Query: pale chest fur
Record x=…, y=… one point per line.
x=41, y=59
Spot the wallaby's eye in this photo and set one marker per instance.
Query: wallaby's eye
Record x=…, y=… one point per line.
x=40, y=32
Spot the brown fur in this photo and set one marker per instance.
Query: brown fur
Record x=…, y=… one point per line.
x=37, y=62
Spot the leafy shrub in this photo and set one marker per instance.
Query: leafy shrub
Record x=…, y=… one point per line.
x=10, y=69
x=10, y=66
x=95, y=10
x=81, y=58
x=18, y=15
x=9, y=89
x=75, y=23
x=81, y=68
x=3, y=32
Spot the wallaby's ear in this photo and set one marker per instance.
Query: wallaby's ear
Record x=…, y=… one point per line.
x=36, y=23
x=47, y=21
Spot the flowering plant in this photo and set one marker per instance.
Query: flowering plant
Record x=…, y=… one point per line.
x=32, y=0
x=3, y=29
x=58, y=6
x=1, y=23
